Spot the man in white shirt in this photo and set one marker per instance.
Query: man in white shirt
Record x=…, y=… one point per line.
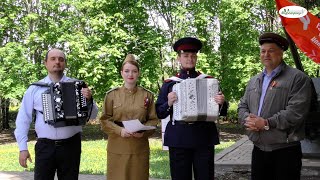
x=57, y=148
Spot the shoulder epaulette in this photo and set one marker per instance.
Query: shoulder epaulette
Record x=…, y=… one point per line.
x=173, y=78
x=115, y=88
x=146, y=89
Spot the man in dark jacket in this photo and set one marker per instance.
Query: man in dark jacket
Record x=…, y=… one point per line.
x=190, y=144
x=273, y=110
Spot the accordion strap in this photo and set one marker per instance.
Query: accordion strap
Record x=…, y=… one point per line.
x=42, y=84
x=175, y=78
x=202, y=76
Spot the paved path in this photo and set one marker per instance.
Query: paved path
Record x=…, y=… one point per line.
x=29, y=176
x=237, y=159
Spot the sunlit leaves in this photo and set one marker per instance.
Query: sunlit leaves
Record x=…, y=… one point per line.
x=97, y=34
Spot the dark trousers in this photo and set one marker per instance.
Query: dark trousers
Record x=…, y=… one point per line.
x=182, y=160
x=282, y=164
x=62, y=156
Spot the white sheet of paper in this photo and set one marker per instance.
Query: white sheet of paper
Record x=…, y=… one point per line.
x=135, y=125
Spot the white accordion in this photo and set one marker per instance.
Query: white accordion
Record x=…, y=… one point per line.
x=196, y=100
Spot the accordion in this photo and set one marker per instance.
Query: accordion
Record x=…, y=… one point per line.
x=196, y=100
x=64, y=104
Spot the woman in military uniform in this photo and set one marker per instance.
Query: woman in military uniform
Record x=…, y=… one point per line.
x=128, y=153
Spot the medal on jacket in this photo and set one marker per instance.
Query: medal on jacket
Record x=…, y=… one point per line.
x=146, y=102
x=273, y=84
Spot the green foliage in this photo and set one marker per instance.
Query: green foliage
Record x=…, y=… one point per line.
x=239, y=59
x=97, y=34
x=15, y=71
x=233, y=112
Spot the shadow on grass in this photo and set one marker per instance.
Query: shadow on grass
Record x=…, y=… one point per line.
x=92, y=131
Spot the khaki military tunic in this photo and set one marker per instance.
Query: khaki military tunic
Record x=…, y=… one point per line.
x=127, y=158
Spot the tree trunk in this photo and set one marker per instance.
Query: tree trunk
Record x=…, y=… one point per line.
x=1, y=118
x=5, y=113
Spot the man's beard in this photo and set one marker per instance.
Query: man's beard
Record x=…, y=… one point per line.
x=59, y=72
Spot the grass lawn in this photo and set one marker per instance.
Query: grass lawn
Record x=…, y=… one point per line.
x=93, y=157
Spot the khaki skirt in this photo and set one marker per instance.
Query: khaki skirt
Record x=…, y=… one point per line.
x=128, y=166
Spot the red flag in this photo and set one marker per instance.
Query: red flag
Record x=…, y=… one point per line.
x=304, y=31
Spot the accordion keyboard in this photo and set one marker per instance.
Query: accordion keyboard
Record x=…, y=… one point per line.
x=64, y=104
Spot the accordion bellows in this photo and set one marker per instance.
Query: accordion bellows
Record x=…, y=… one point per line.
x=196, y=100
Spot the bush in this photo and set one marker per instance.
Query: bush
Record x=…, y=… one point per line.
x=13, y=115
x=232, y=115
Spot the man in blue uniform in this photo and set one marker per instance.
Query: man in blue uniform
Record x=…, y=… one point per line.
x=191, y=145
